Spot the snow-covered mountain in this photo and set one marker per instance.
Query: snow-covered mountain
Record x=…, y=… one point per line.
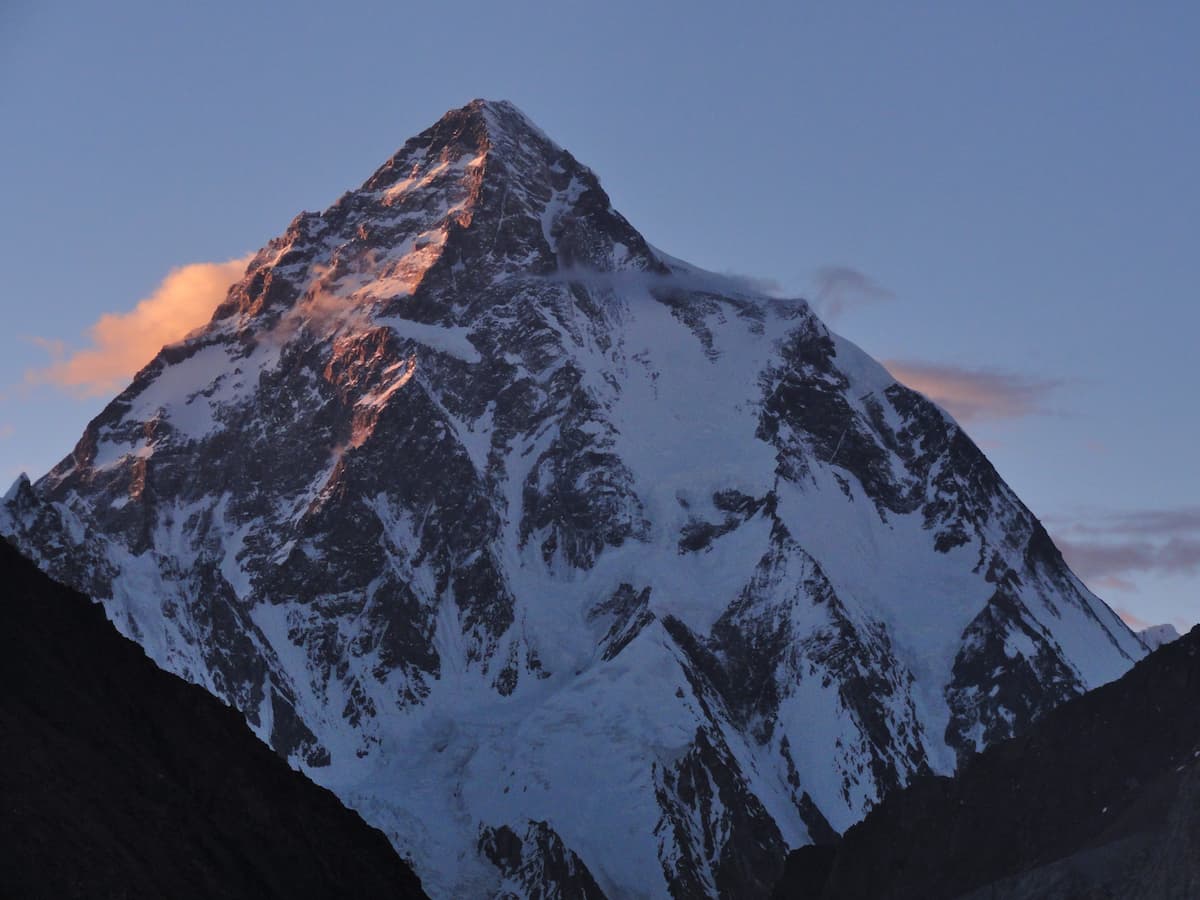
x=574, y=568
x=1157, y=635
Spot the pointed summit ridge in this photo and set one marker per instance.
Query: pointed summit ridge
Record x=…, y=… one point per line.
x=483, y=193
x=477, y=128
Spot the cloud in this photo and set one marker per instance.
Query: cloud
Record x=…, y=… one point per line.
x=1107, y=549
x=1148, y=522
x=6, y=431
x=1135, y=622
x=1114, y=559
x=121, y=343
x=770, y=287
x=840, y=288
x=1112, y=550
x=973, y=395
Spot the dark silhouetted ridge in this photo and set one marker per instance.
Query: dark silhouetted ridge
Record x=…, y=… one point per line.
x=1099, y=799
x=121, y=780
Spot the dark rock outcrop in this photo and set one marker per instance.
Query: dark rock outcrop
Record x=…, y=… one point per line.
x=537, y=865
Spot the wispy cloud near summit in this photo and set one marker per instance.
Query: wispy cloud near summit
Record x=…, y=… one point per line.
x=837, y=289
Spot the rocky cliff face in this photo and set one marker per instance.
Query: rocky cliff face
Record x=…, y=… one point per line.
x=512, y=529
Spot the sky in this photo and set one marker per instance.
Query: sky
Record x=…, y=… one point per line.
x=999, y=201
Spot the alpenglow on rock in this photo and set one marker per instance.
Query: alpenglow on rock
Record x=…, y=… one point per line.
x=576, y=569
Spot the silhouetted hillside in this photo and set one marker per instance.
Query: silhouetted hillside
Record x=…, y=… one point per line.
x=121, y=780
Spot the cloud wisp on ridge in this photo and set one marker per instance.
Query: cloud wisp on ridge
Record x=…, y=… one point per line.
x=837, y=289
x=975, y=395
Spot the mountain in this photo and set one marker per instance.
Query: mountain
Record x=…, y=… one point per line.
x=574, y=568
x=121, y=780
x=1157, y=635
x=1098, y=799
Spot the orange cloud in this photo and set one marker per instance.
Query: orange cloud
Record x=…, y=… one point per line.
x=1137, y=623
x=124, y=342
x=972, y=395
x=1111, y=583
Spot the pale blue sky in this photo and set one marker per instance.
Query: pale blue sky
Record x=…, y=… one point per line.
x=1020, y=178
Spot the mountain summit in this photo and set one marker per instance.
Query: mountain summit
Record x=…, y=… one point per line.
x=576, y=569
x=483, y=194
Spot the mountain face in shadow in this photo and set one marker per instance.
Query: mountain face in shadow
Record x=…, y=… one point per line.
x=121, y=780
x=1099, y=799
